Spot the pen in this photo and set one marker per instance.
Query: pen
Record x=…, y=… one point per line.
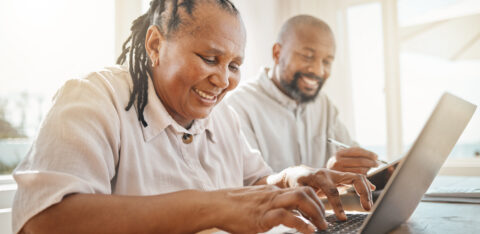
x=345, y=146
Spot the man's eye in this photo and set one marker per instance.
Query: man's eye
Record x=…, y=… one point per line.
x=307, y=57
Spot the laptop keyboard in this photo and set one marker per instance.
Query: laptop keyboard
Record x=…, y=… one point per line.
x=352, y=225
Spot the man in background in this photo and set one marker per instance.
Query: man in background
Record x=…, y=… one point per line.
x=283, y=112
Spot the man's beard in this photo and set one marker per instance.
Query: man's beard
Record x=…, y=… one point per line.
x=294, y=91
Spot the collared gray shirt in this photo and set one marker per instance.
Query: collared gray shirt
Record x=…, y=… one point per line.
x=287, y=133
x=89, y=143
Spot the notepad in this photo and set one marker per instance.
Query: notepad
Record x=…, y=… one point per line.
x=453, y=192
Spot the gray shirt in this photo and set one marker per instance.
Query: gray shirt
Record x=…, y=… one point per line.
x=287, y=133
x=88, y=143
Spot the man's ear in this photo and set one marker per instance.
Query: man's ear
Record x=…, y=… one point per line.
x=153, y=40
x=276, y=52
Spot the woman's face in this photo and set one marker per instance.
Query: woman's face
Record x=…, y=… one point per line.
x=199, y=63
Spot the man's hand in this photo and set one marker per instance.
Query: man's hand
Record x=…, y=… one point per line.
x=325, y=182
x=355, y=159
x=260, y=208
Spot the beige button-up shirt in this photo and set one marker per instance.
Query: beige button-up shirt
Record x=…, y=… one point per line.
x=89, y=143
x=287, y=133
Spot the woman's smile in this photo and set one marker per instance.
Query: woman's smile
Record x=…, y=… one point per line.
x=205, y=96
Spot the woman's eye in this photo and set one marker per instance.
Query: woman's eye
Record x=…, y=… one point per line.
x=209, y=60
x=234, y=67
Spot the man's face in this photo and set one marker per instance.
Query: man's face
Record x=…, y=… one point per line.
x=199, y=66
x=304, y=62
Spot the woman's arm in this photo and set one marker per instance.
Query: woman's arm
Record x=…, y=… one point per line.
x=179, y=212
x=244, y=210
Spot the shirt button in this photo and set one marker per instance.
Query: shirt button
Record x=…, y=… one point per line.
x=187, y=138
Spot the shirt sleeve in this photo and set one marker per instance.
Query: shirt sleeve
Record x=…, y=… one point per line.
x=75, y=152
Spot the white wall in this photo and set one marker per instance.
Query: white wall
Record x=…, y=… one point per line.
x=260, y=18
x=125, y=12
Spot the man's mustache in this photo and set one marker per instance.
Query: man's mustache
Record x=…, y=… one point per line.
x=297, y=75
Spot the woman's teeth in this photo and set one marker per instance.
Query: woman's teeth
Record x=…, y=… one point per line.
x=204, y=95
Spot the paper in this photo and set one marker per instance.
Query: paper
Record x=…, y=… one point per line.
x=452, y=199
x=453, y=194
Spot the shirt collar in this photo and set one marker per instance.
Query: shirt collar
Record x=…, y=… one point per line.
x=159, y=119
x=275, y=93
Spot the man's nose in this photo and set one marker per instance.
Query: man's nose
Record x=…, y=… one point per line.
x=316, y=68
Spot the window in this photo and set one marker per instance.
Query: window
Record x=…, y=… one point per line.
x=438, y=51
x=43, y=44
x=367, y=75
x=438, y=38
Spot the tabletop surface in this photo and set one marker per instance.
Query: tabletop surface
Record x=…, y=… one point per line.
x=442, y=217
x=432, y=217
x=435, y=217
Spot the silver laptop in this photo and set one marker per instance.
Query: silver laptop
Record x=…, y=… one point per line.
x=415, y=172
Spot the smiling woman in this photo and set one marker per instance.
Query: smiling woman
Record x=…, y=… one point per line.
x=212, y=48
x=213, y=52
x=150, y=148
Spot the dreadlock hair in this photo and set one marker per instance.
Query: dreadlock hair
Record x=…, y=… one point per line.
x=165, y=15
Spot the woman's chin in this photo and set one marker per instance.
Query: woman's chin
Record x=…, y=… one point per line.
x=202, y=114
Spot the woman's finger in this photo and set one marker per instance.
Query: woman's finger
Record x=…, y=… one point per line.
x=300, y=199
x=281, y=216
x=360, y=183
x=314, y=196
x=330, y=190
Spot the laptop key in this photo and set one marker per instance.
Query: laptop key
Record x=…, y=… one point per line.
x=352, y=225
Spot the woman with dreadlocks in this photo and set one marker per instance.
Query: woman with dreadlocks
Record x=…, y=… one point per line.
x=147, y=148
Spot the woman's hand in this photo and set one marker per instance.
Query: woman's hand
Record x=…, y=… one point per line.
x=259, y=208
x=325, y=182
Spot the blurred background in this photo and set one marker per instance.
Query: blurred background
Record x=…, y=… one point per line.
x=394, y=60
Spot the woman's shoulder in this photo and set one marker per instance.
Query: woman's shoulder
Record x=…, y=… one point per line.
x=115, y=78
x=110, y=82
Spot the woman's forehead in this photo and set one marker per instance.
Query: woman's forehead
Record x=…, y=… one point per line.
x=216, y=28
x=206, y=17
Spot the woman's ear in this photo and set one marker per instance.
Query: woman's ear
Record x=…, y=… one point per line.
x=153, y=41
